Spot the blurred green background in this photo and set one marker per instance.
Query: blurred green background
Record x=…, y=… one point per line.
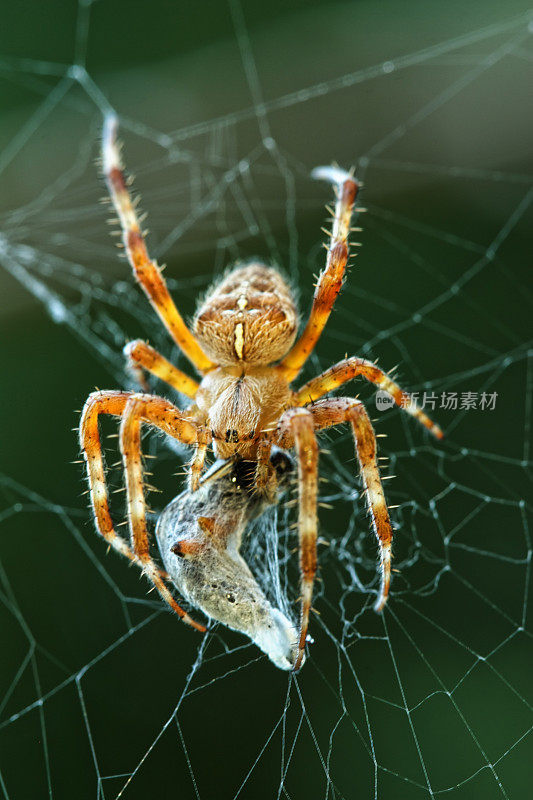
x=432, y=102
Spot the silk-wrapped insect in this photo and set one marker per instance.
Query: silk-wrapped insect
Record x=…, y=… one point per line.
x=200, y=536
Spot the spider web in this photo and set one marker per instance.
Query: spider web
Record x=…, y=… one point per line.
x=100, y=688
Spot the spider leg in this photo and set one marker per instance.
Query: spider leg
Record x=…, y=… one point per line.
x=264, y=468
x=296, y=428
x=141, y=357
x=334, y=411
x=350, y=368
x=146, y=271
x=114, y=403
x=203, y=439
x=159, y=414
x=102, y=403
x=331, y=278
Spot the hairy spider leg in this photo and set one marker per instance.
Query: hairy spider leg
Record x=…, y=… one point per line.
x=296, y=428
x=203, y=440
x=141, y=356
x=350, y=368
x=300, y=430
x=161, y=414
x=146, y=271
x=335, y=411
x=263, y=467
x=331, y=278
x=115, y=403
x=112, y=402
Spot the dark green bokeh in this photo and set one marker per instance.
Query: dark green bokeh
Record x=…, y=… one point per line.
x=169, y=66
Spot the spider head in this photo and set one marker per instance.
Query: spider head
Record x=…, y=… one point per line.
x=234, y=421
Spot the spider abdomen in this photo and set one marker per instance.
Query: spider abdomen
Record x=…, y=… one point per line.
x=250, y=316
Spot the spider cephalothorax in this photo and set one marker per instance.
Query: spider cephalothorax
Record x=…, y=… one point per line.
x=246, y=321
x=243, y=345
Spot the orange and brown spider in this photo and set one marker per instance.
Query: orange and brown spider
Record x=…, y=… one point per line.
x=243, y=346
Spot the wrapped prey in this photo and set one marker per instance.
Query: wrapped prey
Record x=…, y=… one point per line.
x=199, y=536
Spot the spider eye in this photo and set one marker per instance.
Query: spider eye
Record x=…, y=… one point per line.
x=251, y=434
x=232, y=436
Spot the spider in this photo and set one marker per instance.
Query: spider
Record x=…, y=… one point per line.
x=243, y=345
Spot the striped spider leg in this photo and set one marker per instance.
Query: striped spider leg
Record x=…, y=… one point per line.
x=141, y=357
x=134, y=409
x=332, y=276
x=297, y=428
x=146, y=271
x=331, y=379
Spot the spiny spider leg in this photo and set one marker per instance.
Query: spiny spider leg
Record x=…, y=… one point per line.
x=145, y=270
x=143, y=357
x=299, y=429
x=160, y=414
x=350, y=368
x=115, y=403
x=335, y=411
x=112, y=402
x=296, y=428
x=331, y=278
